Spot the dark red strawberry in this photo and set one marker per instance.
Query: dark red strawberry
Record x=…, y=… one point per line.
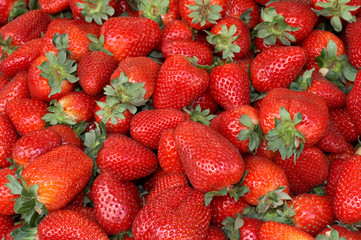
x=342, y=118
x=332, y=140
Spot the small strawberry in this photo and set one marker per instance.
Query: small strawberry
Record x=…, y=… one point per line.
x=8, y=137
x=90, y=10
x=279, y=231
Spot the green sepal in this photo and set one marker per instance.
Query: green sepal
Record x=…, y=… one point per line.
x=122, y=235
x=156, y=56
x=34, y=4
x=154, y=9
x=274, y=27
x=6, y=49
x=224, y=42
x=319, y=190
x=253, y=133
x=351, y=227
x=96, y=10
x=61, y=42
x=285, y=138
x=18, y=9
x=246, y=15
x=303, y=82
x=97, y=44
x=334, y=235
x=130, y=94
x=111, y=109
x=25, y=232
x=231, y=227
x=272, y=199
x=203, y=12
x=197, y=115
x=57, y=69
x=57, y=115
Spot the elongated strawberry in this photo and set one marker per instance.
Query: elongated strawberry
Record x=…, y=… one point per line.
x=96, y=11
x=140, y=36
x=168, y=155
x=8, y=137
x=6, y=198
x=179, y=211
x=276, y=67
x=179, y=83
x=279, y=231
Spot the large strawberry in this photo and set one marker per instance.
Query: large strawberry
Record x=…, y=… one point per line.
x=175, y=30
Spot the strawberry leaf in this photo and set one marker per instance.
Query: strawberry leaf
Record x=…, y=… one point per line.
x=254, y=133
x=302, y=82
x=6, y=47
x=97, y=44
x=25, y=232
x=111, y=109
x=272, y=199
x=57, y=115
x=231, y=227
x=18, y=9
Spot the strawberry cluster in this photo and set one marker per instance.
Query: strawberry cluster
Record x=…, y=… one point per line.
x=180, y=119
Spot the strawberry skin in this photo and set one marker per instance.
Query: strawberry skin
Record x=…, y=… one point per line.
x=215, y=233
x=6, y=223
x=353, y=42
x=138, y=36
x=342, y=118
x=175, y=30
x=354, y=102
x=6, y=198
x=279, y=231
x=235, y=8
x=8, y=137
x=67, y=134
x=210, y=161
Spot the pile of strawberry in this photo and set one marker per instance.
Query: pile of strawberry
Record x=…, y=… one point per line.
x=180, y=119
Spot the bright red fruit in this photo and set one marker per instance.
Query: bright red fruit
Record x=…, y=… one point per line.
x=8, y=137
x=7, y=199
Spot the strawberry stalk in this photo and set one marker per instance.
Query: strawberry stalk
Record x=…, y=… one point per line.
x=153, y=9
x=203, y=12
x=95, y=10
x=253, y=133
x=197, y=115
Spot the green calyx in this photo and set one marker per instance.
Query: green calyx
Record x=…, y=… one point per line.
x=111, y=109
x=246, y=15
x=254, y=133
x=95, y=10
x=285, y=138
x=18, y=9
x=6, y=47
x=122, y=235
x=332, y=235
x=61, y=42
x=231, y=227
x=272, y=199
x=57, y=115
x=303, y=82
x=337, y=10
x=154, y=9
x=197, y=115
x=130, y=94
x=335, y=68
x=97, y=44
x=203, y=12
x=224, y=42
x=274, y=27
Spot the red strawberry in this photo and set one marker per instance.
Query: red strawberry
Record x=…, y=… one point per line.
x=175, y=30
x=122, y=6
x=92, y=11
x=53, y=6
x=140, y=36
x=229, y=86
x=67, y=134
x=7, y=200
x=332, y=140
x=115, y=206
x=3, y=81
x=17, y=88
x=245, y=227
x=26, y=114
x=342, y=231
x=161, y=12
x=215, y=233
x=126, y=158
x=87, y=211
x=179, y=83
x=240, y=8
x=8, y=137
x=279, y=231
x=210, y=161
x=342, y=118
x=206, y=102
x=276, y=67
x=178, y=212
x=310, y=169
x=354, y=102
x=353, y=42
x=7, y=9
x=94, y=71
x=7, y=223
x=73, y=225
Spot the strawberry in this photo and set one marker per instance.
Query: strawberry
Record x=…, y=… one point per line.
x=147, y=126
x=229, y=86
x=140, y=36
x=279, y=231
x=244, y=227
x=313, y=212
x=67, y=134
x=7, y=8
x=115, y=206
x=126, y=158
x=332, y=140
x=7, y=222
x=26, y=114
x=94, y=71
x=162, y=12
x=8, y=137
x=21, y=59
x=189, y=49
x=3, y=81
x=242, y=8
x=342, y=232
x=7, y=200
x=263, y=178
x=96, y=11
x=178, y=212
x=200, y=14
x=87, y=211
x=210, y=161
x=175, y=30
x=73, y=225
x=122, y=6
x=310, y=169
x=34, y=145
x=352, y=33
x=276, y=67
x=215, y=233
x=353, y=102
x=53, y=6
x=348, y=192
x=17, y=88
x=179, y=83
x=230, y=37
x=291, y=120
x=206, y=102
x=342, y=118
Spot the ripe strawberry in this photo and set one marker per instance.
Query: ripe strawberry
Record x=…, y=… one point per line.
x=147, y=126
x=313, y=212
x=229, y=86
x=126, y=158
x=26, y=114
x=240, y=8
x=310, y=169
x=73, y=225
x=34, y=145
x=86, y=211
x=244, y=227
x=210, y=161
x=8, y=137
x=342, y=118
x=200, y=14
x=140, y=36
x=16, y=88
x=21, y=59
x=276, y=67
x=206, y=102
x=179, y=83
x=279, y=231
x=115, y=206
x=354, y=102
x=94, y=71
x=332, y=140
x=263, y=176
x=342, y=231
x=215, y=233
x=53, y=6
x=175, y=30
x=178, y=212
x=352, y=33
x=89, y=11
x=297, y=118
x=3, y=81
x=67, y=134
x=230, y=37
x=161, y=12
x=7, y=200
x=122, y=6
x=7, y=222
x=348, y=192
x=7, y=9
